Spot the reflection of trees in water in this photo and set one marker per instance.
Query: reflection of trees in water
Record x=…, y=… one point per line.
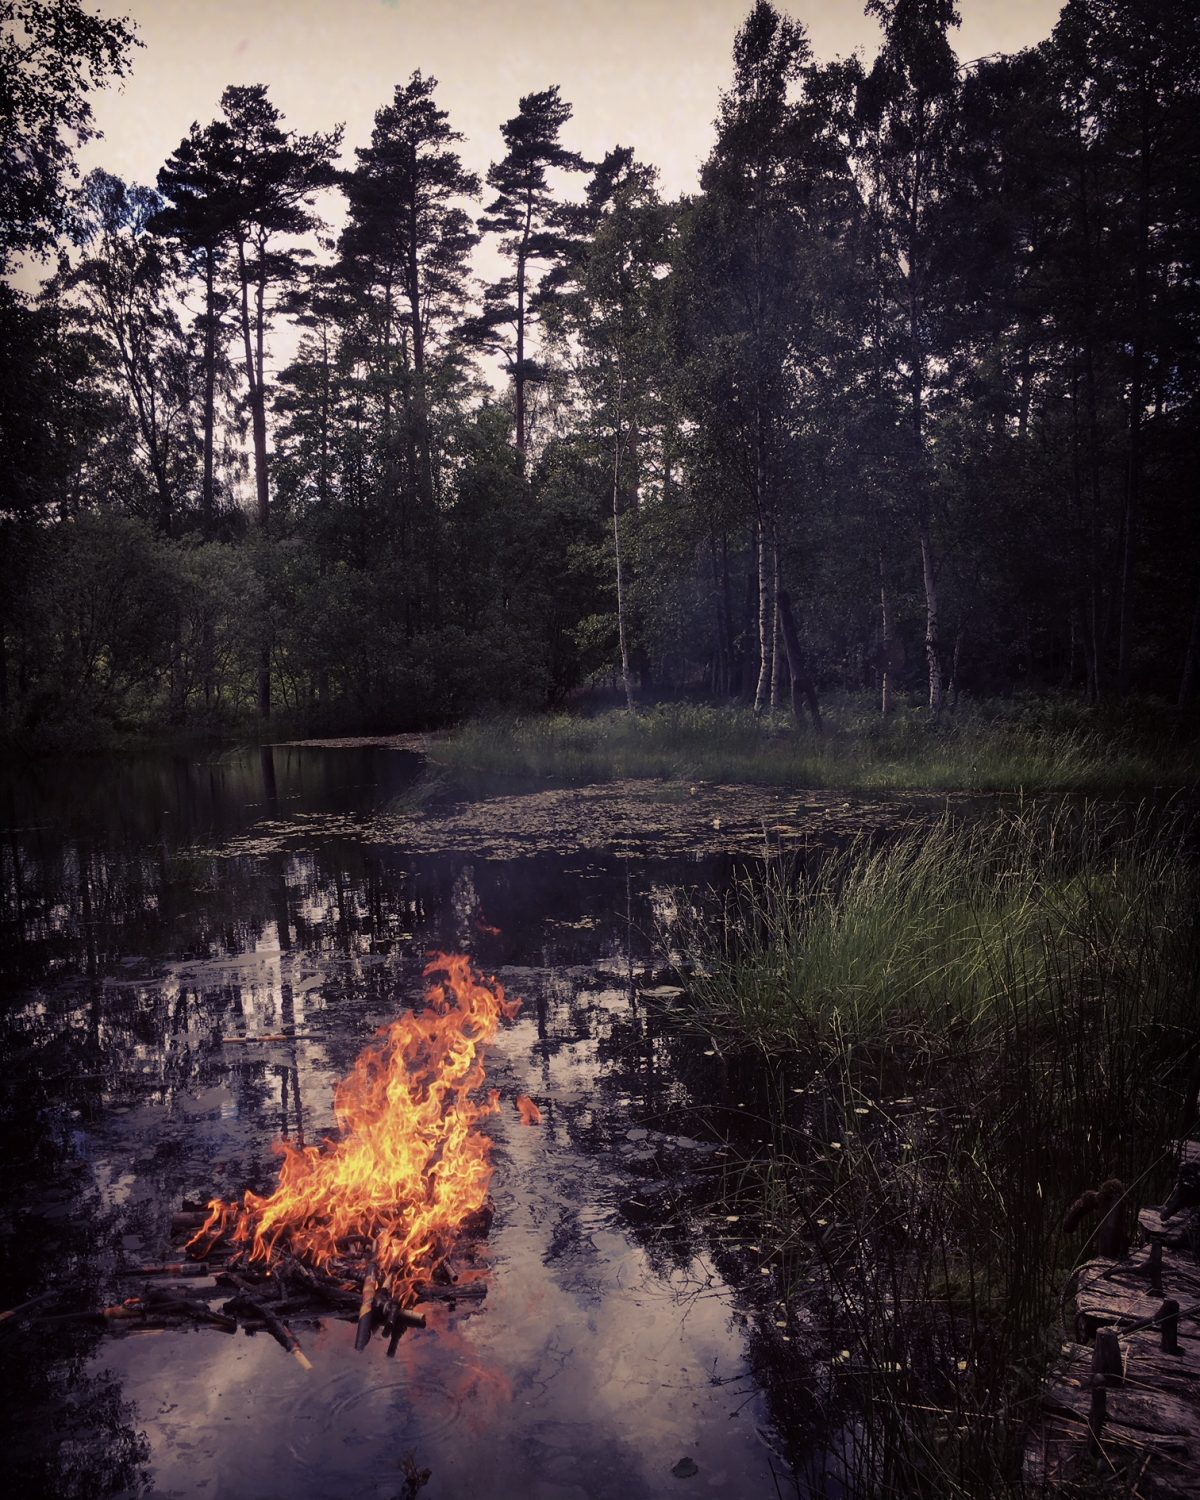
x=656, y=1073
x=130, y=961
x=64, y=1431
x=69, y=1433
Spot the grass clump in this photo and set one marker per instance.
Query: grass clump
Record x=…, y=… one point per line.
x=958, y=930
x=987, y=1021
x=1035, y=745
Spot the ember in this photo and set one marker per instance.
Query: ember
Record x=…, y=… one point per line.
x=528, y=1110
x=381, y=1207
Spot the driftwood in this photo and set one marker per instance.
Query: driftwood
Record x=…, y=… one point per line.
x=1126, y=1393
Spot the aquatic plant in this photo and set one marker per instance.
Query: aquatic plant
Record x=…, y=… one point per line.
x=964, y=1029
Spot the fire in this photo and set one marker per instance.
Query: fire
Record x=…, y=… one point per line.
x=529, y=1112
x=409, y=1168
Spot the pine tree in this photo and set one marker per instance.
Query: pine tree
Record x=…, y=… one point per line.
x=535, y=229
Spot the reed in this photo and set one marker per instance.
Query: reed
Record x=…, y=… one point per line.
x=984, y=1022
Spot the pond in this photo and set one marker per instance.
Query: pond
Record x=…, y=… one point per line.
x=155, y=909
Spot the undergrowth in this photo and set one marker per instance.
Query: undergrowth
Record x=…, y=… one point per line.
x=1035, y=745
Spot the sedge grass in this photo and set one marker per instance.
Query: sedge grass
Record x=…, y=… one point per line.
x=991, y=1019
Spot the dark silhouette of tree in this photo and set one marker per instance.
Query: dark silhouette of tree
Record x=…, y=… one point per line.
x=535, y=229
x=406, y=252
x=197, y=213
x=125, y=286
x=53, y=53
x=906, y=109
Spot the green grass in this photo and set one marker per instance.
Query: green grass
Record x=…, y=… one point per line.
x=986, y=1020
x=958, y=929
x=1048, y=744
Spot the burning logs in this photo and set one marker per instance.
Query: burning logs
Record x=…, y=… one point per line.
x=366, y=1311
x=364, y=1224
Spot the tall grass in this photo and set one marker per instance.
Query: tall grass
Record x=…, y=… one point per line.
x=1036, y=744
x=992, y=1020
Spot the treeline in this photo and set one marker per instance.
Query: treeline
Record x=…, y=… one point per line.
x=919, y=356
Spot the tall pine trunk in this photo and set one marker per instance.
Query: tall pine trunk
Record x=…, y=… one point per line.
x=618, y=454
x=885, y=646
x=766, y=615
x=1133, y=476
x=932, y=651
x=254, y=340
x=776, y=641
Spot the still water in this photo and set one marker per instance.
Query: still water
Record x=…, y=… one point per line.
x=145, y=923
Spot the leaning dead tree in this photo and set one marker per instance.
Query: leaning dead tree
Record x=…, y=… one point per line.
x=803, y=687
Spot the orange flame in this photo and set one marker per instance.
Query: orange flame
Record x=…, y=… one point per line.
x=530, y=1113
x=409, y=1167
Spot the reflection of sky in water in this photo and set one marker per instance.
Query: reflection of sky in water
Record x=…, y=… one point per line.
x=589, y=1371
x=603, y=1353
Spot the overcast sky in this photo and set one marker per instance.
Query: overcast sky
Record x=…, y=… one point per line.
x=640, y=73
x=643, y=73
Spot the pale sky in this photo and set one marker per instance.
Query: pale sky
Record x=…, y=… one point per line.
x=640, y=73
x=643, y=73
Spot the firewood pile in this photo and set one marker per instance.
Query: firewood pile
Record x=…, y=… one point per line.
x=362, y=1227
x=226, y=1290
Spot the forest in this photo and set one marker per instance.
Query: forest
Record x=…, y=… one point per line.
x=748, y=642
x=911, y=378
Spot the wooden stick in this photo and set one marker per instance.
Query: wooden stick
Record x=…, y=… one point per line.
x=335, y=1296
x=174, y=1268
x=470, y=1291
x=280, y=1332
x=189, y=1218
x=394, y=1314
x=281, y=1036
x=198, y=1310
x=366, y=1309
x=23, y=1307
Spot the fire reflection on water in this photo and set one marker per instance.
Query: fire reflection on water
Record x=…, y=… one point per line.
x=598, y=1358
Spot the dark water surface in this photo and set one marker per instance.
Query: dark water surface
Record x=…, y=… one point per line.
x=617, y=1336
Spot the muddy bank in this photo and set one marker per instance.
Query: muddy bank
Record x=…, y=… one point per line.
x=672, y=819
